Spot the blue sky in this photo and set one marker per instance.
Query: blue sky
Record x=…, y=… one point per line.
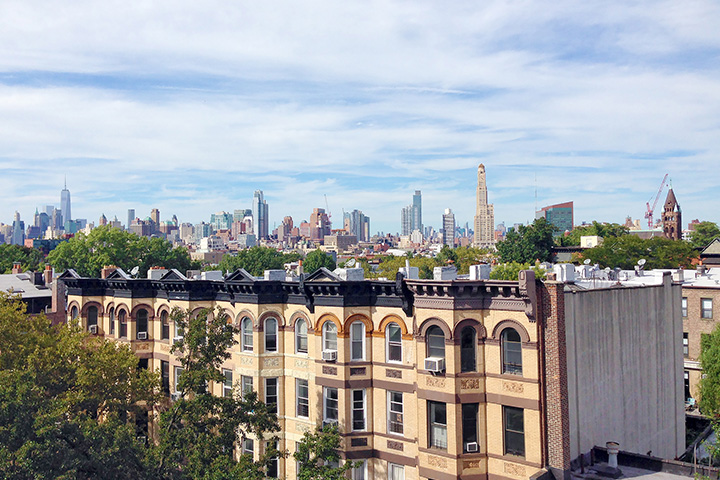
x=191, y=106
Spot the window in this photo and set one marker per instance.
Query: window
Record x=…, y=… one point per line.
x=706, y=306
x=684, y=306
x=686, y=383
x=179, y=332
x=165, y=326
x=330, y=404
x=165, y=375
x=437, y=418
x=143, y=363
x=303, y=401
x=329, y=336
x=395, y=412
x=142, y=322
x=393, y=339
x=435, y=339
x=686, y=344
x=271, y=394
x=469, y=425
x=511, y=351
x=246, y=329
x=227, y=383
x=112, y=320
x=73, y=313
x=357, y=341
x=358, y=410
x=360, y=472
x=301, y=336
x=467, y=350
x=396, y=472
x=272, y=466
x=178, y=373
x=248, y=446
x=92, y=316
x=246, y=384
x=271, y=335
x=122, y=320
x=513, y=425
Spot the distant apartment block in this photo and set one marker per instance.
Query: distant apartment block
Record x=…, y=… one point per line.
x=560, y=215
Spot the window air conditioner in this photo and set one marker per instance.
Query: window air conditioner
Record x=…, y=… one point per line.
x=177, y=339
x=142, y=335
x=175, y=396
x=330, y=421
x=93, y=329
x=471, y=447
x=434, y=364
x=329, y=355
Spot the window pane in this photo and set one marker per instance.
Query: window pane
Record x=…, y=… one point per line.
x=330, y=395
x=358, y=409
x=92, y=316
x=438, y=424
x=357, y=340
x=395, y=412
x=511, y=352
x=467, y=350
x=303, y=404
x=142, y=320
x=165, y=333
x=271, y=394
x=302, y=338
x=329, y=336
x=393, y=335
x=271, y=335
x=396, y=472
x=469, y=424
x=684, y=307
x=514, y=431
x=247, y=335
x=227, y=383
x=435, y=339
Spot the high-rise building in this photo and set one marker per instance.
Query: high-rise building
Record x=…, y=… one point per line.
x=65, y=204
x=358, y=224
x=560, y=215
x=131, y=217
x=221, y=220
x=260, y=215
x=319, y=224
x=18, y=232
x=417, y=212
x=448, y=221
x=406, y=220
x=484, y=214
x=155, y=216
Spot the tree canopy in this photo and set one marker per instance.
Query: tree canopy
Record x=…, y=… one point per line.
x=30, y=258
x=316, y=259
x=318, y=455
x=703, y=234
x=604, y=230
x=511, y=271
x=528, y=243
x=625, y=251
x=257, y=259
x=105, y=245
x=710, y=380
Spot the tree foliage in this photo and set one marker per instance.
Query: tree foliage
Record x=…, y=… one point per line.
x=703, y=234
x=604, y=230
x=625, y=251
x=317, y=259
x=318, y=455
x=105, y=245
x=257, y=259
x=710, y=380
x=528, y=243
x=511, y=271
x=30, y=258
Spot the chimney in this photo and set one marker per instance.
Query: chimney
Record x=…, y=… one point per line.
x=300, y=268
x=107, y=270
x=48, y=275
x=16, y=268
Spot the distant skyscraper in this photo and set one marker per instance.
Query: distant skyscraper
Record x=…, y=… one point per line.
x=560, y=215
x=406, y=220
x=358, y=224
x=484, y=214
x=449, y=228
x=131, y=217
x=155, y=216
x=65, y=204
x=319, y=224
x=417, y=212
x=260, y=215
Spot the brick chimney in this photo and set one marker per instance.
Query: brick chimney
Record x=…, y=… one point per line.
x=106, y=271
x=16, y=268
x=48, y=275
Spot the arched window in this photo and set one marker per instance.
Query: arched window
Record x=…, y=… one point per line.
x=111, y=315
x=393, y=342
x=73, y=313
x=141, y=321
x=357, y=341
x=468, y=350
x=301, y=336
x=165, y=325
x=511, y=351
x=435, y=340
x=92, y=316
x=271, y=335
x=246, y=333
x=329, y=336
x=122, y=320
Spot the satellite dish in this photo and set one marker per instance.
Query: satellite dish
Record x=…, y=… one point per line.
x=641, y=262
x=587, y=261
x=135, y=270
x=607, y=270
x=350, y=263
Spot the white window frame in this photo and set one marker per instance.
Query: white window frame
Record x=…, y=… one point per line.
x=176, y=376
x=354, y=340
x=111, y=315
x=328, y=408
x=358, y=406
x=437, y=432
x=328, y=344
x=178, y=331
x=272, y=399
x=267, y=335
x=299, y=336
x=248, y=442
x=391, y=411
x=300, y=399
x=246, y=384
x=703, y=309
x=396, y=471
x=360, y=473
x=227, y=383
x=244, y=335
x=684, y=307
x=388, y=343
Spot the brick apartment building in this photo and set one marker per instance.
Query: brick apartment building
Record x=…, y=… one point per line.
x=428, y=379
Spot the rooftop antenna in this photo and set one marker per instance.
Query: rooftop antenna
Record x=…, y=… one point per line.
x=135, y=271
x=350, y=263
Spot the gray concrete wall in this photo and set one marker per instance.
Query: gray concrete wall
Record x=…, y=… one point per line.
x=625, y=367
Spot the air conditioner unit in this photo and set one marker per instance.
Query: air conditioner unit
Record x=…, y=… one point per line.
x=434, y=364
x=175, y=396
x=93, y=329
x=142, y=439
x=330, y=421
x=329, y=355
x=177, y=339
x=471, y=447
x=142, y=335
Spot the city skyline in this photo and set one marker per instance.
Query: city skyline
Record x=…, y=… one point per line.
x=306, y=101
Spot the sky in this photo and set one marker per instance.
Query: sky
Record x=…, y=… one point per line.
x=191, y=106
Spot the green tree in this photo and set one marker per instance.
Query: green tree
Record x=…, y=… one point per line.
x=511, y=271
x=710, y=380
x=198, y=433
x=704, y=234
x=256, y=260
x=466, y=256
x=317, y=259
x=318, y=455
x=528, y=243
x=625, y=251
x=604, y=230
x=105, y=245
x=30, y=258
x=68, y=401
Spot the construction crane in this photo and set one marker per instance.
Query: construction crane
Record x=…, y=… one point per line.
x=650, y=211
x=327, y=209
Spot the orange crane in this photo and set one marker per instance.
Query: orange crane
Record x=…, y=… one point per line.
x=650, y=211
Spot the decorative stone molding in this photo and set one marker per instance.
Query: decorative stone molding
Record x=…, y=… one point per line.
x=513, y=469
x=513, y=387
x=271, y=362
x=437, y=462
x=327, y=370
x=470, y=383
x=391, y=373
x=438, y=382
x=395, y=445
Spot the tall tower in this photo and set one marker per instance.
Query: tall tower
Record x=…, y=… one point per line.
x=672, y=217
x=65, y=203
x=131, y=217
x=449, y=228
x=260, y=215
x=484, y=214
x=417, y=212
